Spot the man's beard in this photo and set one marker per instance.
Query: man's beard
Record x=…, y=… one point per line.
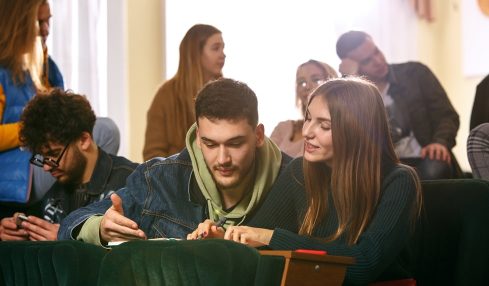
x=74, y=175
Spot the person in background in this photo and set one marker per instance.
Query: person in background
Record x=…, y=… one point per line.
x=423, y=122
x=288, y=134
x=478, y=151
x=172, y=111
x=20, y=80
x=57, y=128
x=105, y=132
x=480, y=109
x=24, y=72
x=224, y=173
x=348, y=195
x=51, y=76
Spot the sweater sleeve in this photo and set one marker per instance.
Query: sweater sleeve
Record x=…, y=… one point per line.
x=380, y=244
x=90, y=230
x=9, y=133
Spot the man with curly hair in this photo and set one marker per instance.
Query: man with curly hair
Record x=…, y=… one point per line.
x=57, y=128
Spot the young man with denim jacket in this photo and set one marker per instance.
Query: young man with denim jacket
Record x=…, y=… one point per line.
x=225, y=171
x=57, y=127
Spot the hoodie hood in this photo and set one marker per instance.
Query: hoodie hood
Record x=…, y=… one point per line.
x=268, y=159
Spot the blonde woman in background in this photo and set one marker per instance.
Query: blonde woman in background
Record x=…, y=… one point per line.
x=172, y=111
x=288, y=134
x=20, y=80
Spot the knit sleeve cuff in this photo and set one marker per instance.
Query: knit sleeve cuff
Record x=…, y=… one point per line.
x=90, y=231
x=282, y=240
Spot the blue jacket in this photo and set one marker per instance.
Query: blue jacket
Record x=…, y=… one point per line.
x=15, y=176
x=161, y=196
x=55, y=77
x=109, y=175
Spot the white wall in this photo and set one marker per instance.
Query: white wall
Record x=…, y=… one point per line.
x=440, y=47
x=267, y=40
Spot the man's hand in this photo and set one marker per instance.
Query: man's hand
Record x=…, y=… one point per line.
x=251, y=236
x=116, y=227
x=9, y=230
x=436, y=151
x=39, y=229
x=206, y=229
x=348, y=67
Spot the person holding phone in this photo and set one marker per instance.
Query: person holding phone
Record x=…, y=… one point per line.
x=57, y=127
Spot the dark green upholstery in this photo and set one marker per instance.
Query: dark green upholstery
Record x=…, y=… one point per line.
x=451, y=241
x=49, y=263
x=270, y=269
x=450, y=246
x=203, y=262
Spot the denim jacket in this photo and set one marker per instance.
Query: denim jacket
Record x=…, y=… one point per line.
x=161, y=196
x=109, y=175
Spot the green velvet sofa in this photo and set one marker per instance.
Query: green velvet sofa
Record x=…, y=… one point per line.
x=449, y=247
x=205, y=262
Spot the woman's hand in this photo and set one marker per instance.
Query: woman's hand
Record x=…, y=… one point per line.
x=206, y=229
x=251, y=236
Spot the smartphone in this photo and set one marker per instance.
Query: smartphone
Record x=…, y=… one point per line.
x=20, y=219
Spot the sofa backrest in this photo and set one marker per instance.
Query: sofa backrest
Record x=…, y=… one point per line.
x=451, y=240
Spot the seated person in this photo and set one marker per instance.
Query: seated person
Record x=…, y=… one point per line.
x=225, y=171
x=57, y=128
x=288, y=134
x=348, y=196
x=423, y=122
x=478, y=151
x=480, y=107
x=15, y=93
x=105, y=135
x=105, y=132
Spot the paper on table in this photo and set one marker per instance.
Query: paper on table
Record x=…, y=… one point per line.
x=113, y=243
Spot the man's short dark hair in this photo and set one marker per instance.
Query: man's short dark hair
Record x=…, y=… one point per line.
x=55, y=117
x=349, y=41
x=227, y=99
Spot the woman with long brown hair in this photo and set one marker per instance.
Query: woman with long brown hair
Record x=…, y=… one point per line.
x=348, y=196
x=172, y=110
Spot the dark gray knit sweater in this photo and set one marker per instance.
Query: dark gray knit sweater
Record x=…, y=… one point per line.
x=377, y=252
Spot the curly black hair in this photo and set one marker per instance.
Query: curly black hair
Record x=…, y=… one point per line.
x=58, y=117
x=227, y=99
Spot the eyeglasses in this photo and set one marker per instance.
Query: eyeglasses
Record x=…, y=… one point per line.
x=39, y=160
x=314, y=83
